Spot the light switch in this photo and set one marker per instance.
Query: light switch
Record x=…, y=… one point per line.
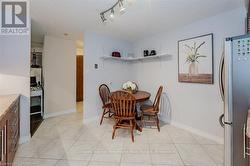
x=96, y=66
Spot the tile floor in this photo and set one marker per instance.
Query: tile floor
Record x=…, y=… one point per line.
x=79, y=106
x=65, y=141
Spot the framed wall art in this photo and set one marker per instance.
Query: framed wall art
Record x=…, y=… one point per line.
x=195, y=59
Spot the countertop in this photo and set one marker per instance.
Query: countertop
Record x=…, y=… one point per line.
x=6, y=101
x=248, y=124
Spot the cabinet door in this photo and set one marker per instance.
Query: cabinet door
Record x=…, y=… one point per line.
x=12, y=131
x=3, y=142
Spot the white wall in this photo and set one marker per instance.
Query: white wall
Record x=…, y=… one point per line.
x=195, y=107
x=113, y=73
x=59, y=69
x=15, y=77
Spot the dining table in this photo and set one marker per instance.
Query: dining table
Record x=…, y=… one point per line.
x=141, y=96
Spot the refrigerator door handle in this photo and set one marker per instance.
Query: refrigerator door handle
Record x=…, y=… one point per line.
x=221, y=75
x=221, y=120
x=245, y=148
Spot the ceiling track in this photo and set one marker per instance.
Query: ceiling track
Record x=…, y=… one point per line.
x=112, y=7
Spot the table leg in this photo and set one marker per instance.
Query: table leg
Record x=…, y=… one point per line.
x=138, y=127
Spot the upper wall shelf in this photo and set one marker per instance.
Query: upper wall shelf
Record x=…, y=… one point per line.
x=162, y=56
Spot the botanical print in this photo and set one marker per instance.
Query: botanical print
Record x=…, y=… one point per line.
x=196, y=59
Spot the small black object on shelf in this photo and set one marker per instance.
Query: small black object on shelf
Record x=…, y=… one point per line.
x=116, y=54
x=146, y=53
x=152, y=53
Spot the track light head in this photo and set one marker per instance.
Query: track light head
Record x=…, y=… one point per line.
x=112, y=14
x=122, y=8
x=104, y=20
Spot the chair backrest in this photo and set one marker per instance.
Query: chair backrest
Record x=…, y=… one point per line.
x=104, y=93
x=157, y=99
x=123, y=104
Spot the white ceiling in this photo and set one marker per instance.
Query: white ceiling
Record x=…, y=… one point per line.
x=142, y=18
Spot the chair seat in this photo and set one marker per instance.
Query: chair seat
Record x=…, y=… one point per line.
x=108, y=105
x=148, y=109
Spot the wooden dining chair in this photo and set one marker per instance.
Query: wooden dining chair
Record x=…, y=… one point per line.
x=104, y=93
x=151, y=111
x=124, y=105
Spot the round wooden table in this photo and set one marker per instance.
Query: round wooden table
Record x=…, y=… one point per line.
x=141, y=96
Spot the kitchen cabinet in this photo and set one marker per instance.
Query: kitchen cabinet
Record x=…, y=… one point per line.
x=3, y=141
x=9, y=128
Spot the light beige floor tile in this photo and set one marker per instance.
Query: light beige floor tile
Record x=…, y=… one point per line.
x=167, y=159
x=55, y=149
x=77, y=156
x=136, y=147
x=31, y=148
x=170, y=165
x=216, y=152
x=194, y=155
x=107, y=157
x=34, y=162
x=162, y=148
x=154, y=136
x=134, y=164
x=79, y=107
x=110, y=146
x=136, y=159
x=204, y=141
x=181, y=136
x=96, y=163
x=71, y=163
x=83, y=147
x=47, y=133
x=91, y=135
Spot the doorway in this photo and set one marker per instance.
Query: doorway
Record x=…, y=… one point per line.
x=79, y=82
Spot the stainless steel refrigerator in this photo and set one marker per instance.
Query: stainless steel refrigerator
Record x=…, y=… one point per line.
x=235, y=91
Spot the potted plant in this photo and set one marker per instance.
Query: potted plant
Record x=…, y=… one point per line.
x=130, y=87
x=193, y=57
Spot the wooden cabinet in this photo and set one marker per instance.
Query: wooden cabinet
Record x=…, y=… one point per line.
x=9, y=134
x=12, y=131
x=3, y=141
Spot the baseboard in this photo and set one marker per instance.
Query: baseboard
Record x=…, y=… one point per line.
x=55, y=114
x=24, y=139
x=219, y=140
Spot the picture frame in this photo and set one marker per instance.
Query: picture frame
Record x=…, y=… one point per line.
x=195, y=60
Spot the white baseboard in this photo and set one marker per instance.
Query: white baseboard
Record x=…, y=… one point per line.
x=24, y=139
x=55, y=114
x=219, y=140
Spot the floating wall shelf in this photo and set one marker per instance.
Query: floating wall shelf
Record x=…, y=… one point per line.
x=163, y=56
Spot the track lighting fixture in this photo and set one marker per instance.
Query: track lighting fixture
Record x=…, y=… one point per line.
x=119, y=5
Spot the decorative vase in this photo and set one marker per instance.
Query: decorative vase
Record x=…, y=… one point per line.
x=193, y=68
